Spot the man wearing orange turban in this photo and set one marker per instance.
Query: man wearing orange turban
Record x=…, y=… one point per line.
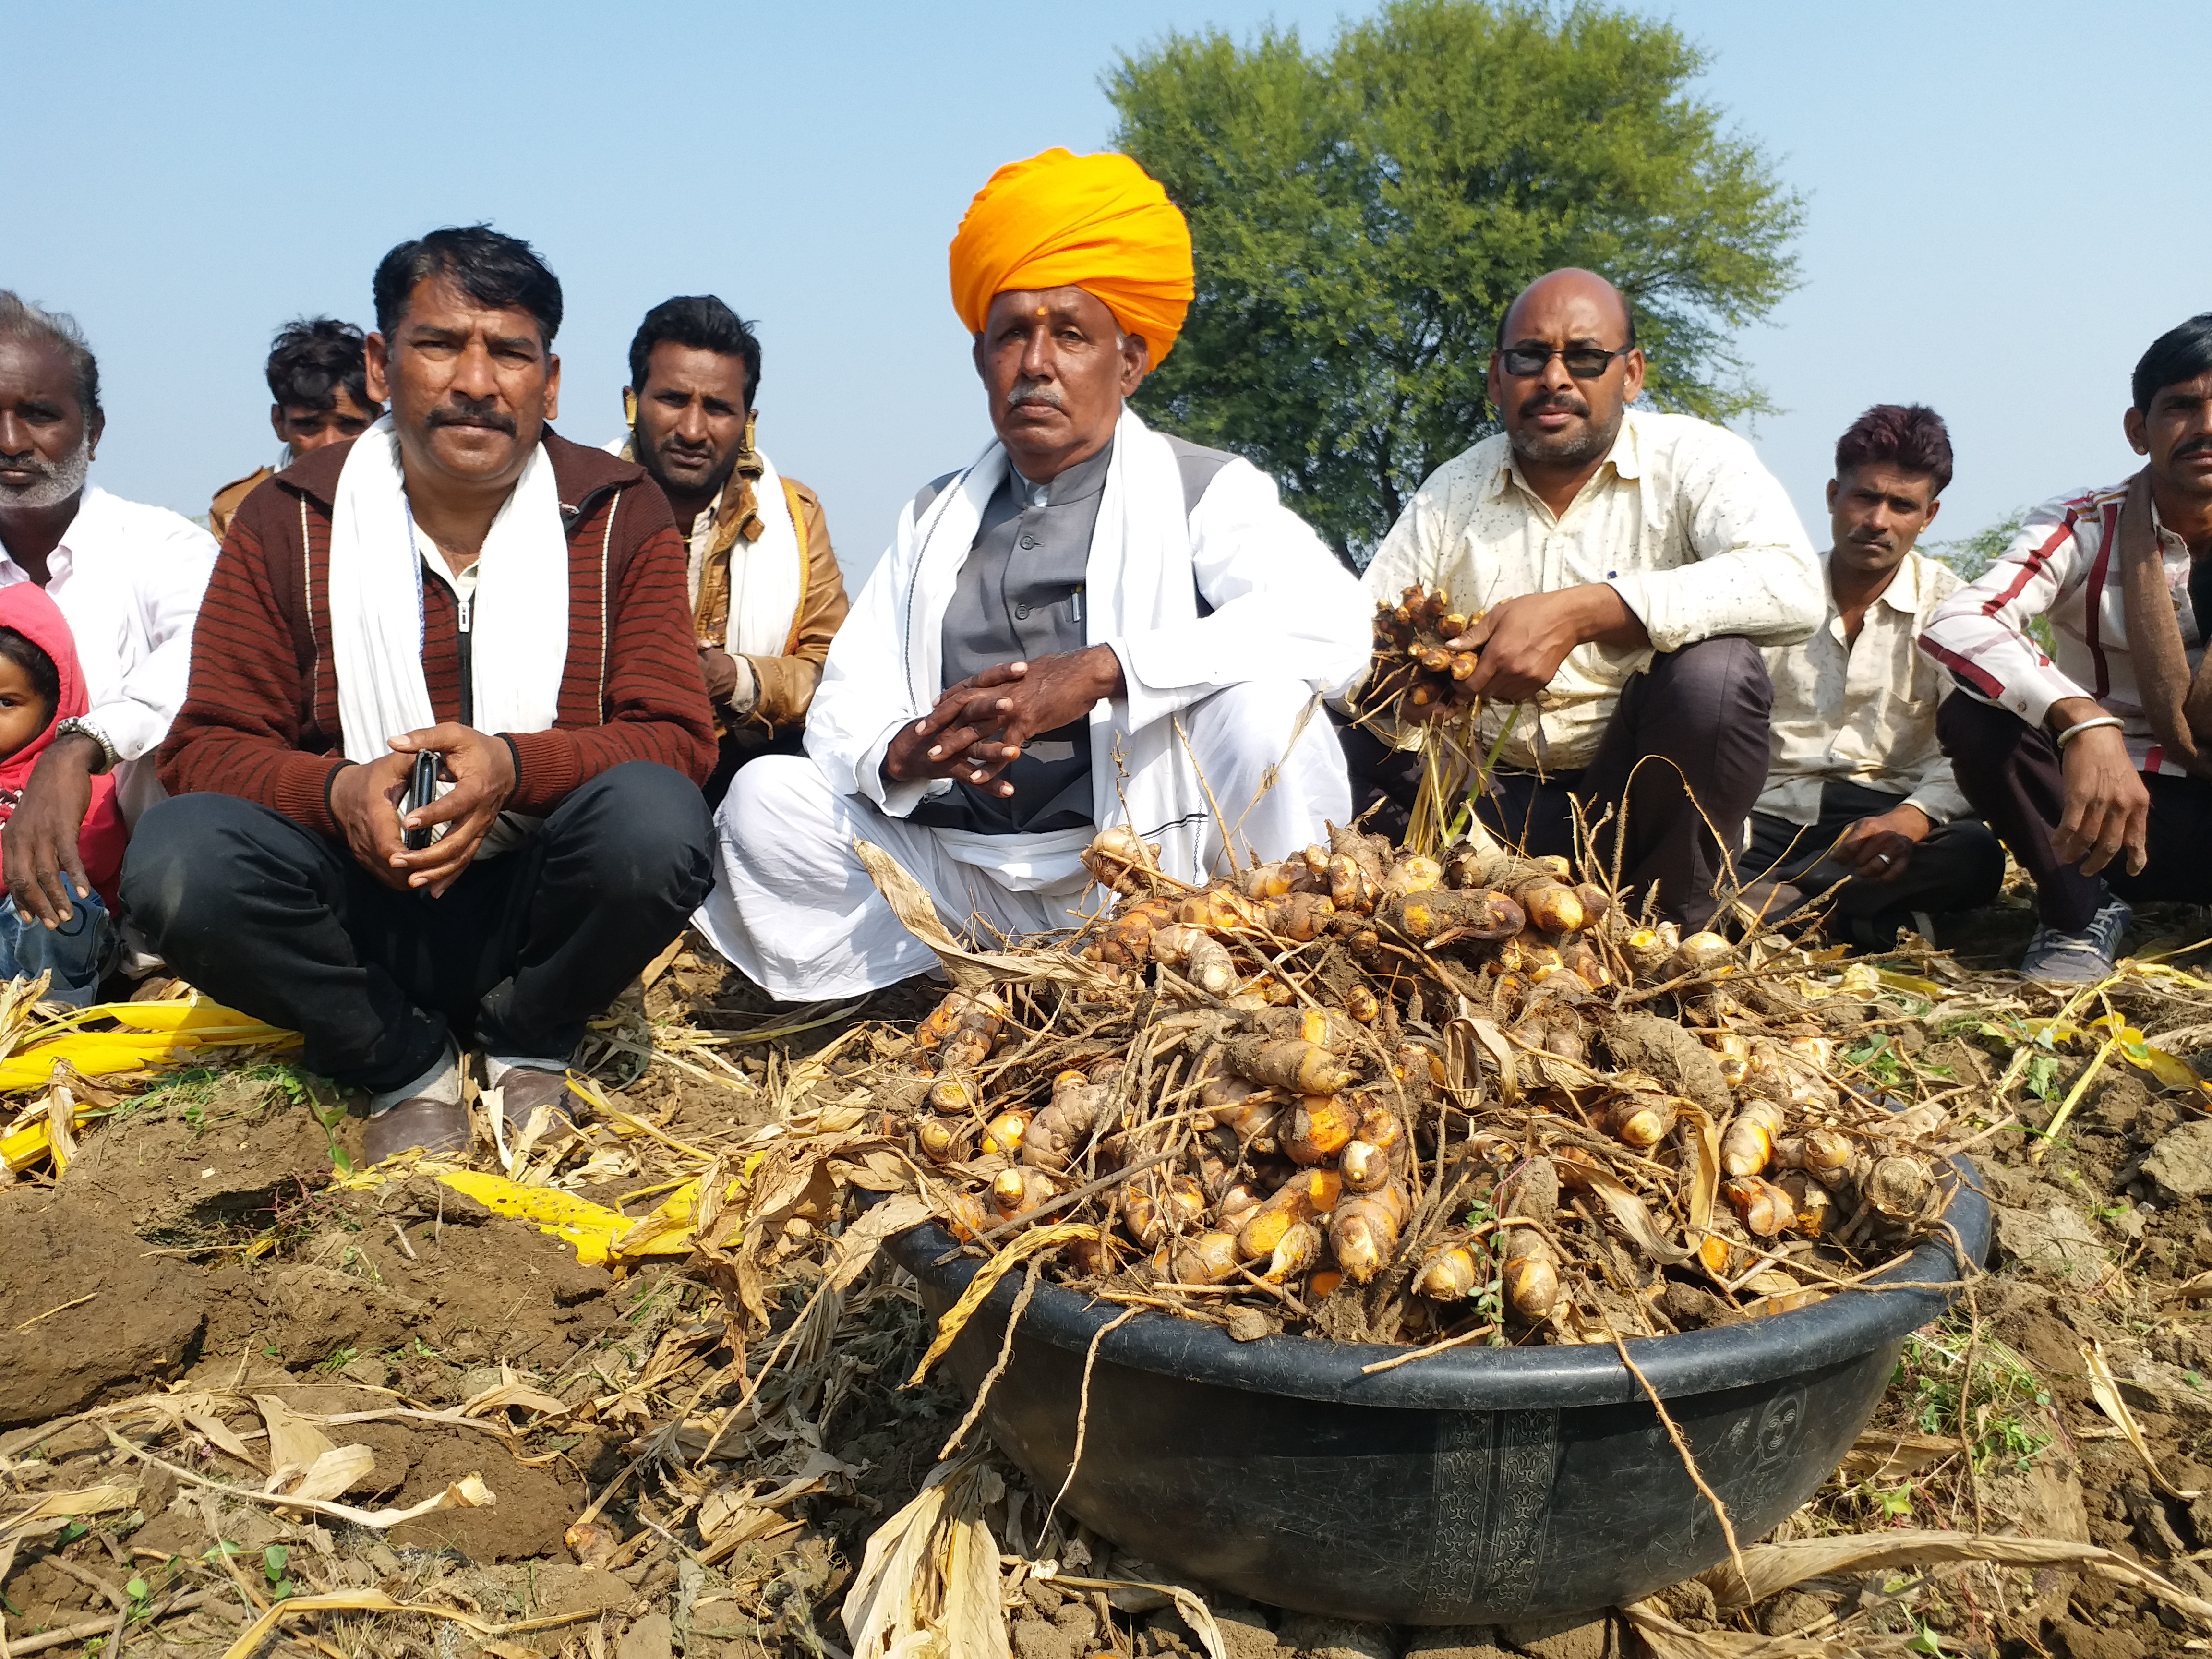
x=1091, y=625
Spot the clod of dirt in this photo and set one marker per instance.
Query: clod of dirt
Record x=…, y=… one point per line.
x=1455, y=1642
x=1033, y=1638
x=1644, y=1042
x=2181, y=1163
x=1335, y=1638
x=1567, y=1637
x=173, y=1183
x=2048, y=1236
x=651, y=1638
x=314, y=1312
x=532, y=1509
x=138, y=1317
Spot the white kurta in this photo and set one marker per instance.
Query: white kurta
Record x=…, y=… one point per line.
x=1284, y=622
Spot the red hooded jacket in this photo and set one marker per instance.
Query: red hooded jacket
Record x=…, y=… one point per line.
x=25, y=607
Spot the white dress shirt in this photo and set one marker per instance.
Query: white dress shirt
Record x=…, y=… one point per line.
x=1864, y=712
x=1696, y=535
x=128, y=579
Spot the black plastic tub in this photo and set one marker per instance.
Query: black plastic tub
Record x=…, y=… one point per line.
x=1475, y=1486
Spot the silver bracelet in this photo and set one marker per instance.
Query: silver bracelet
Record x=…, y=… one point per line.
x=2074, y=731
x=78, y=726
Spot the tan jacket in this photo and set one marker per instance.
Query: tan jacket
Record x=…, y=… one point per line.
x=232, y=496
x=787, y=681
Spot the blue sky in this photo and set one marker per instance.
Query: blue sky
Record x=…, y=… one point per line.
x=1998, y=220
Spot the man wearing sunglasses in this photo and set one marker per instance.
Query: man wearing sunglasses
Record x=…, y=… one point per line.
x=1623, y=570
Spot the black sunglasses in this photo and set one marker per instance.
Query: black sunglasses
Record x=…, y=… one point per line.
x=1583, y=363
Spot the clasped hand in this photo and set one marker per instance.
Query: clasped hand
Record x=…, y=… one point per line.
x=1879, y=848
x=979, y=726
x=366, y=801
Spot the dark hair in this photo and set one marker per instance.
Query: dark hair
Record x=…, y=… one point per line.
x=701, y=322
x=22, y=321
x=1910, y=435
x=498, y=271
x=312, y=358
x=2182, y=353
x=25, y=652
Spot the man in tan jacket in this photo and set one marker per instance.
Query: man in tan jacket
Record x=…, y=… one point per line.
x=318, y=378
x=766, y=592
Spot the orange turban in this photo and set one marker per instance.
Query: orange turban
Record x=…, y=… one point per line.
x=1097, y=223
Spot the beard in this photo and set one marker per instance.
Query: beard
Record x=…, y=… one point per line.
x=1576, y=445
x=56, y=480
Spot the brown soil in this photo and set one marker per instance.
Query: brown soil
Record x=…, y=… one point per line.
x=2095, y=1242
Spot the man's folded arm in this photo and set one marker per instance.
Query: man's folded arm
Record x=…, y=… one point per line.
x=239, y=731
x=1979, y=635
x=1283, y=607
x=1755, y=572
x=656, y=699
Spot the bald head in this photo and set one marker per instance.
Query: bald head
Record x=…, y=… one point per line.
x=1564, y=372
x=1585, y=292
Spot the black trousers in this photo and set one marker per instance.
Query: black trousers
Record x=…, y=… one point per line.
x=1960, y=866
x=2011, y=771
x=274, y=920
x=1691, y=732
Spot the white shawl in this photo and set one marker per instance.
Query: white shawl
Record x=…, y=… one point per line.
x=1282, y=607
x=519, y=633
x=767, y=576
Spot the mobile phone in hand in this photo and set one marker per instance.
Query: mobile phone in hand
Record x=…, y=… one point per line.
x=422, y=790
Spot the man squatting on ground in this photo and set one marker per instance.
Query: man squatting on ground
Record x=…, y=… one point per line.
x=127, y=579
x=318, y=377
x=766, y=593
x=1858, y=790
x=1627, y=567
x=2095, y=769
x=1065, y=635
x=470, y=586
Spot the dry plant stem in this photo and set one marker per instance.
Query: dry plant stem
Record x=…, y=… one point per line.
x=1005, y=1356
x=1411, y=1355
x=69, y=1634
x=1082, y=1410
x=1031, y=1218
x=2073, y=1099
x=1682, y=1451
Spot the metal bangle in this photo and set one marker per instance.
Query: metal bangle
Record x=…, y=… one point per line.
x=78, y=726
x=2074, y=731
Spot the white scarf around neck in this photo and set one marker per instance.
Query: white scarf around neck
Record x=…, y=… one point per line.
x=767, y=576
x=519, y=643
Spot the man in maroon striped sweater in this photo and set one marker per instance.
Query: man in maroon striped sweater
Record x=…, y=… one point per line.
x=459, y=582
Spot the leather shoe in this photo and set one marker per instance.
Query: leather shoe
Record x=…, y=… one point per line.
x=434, y=1125
x=524, y=1089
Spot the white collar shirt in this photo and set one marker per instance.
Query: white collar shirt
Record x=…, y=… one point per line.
x=128, y=579
x=1696, y=535
x=1864, y=712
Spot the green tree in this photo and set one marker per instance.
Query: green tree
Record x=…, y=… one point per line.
x=1362, y=215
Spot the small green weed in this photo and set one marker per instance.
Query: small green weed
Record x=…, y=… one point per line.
x=273, y=1561
x=2006, y=1407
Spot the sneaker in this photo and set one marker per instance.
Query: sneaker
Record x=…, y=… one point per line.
x=2083, y=958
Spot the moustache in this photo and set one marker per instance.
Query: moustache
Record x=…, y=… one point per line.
x=1544, y=401
x=464, y=415
x=2194, y=447
x=1034, y=391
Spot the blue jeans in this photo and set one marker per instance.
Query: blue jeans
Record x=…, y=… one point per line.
x=74, y=953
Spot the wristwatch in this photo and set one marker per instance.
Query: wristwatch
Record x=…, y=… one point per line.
x=76, y=726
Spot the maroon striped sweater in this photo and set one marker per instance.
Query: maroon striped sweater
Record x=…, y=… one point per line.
x=261, y=717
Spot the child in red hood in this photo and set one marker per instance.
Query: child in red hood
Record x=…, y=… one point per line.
x=40, y=684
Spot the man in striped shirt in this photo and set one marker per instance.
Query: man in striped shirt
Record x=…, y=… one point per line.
x=2091, y=766
x=460, y=586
